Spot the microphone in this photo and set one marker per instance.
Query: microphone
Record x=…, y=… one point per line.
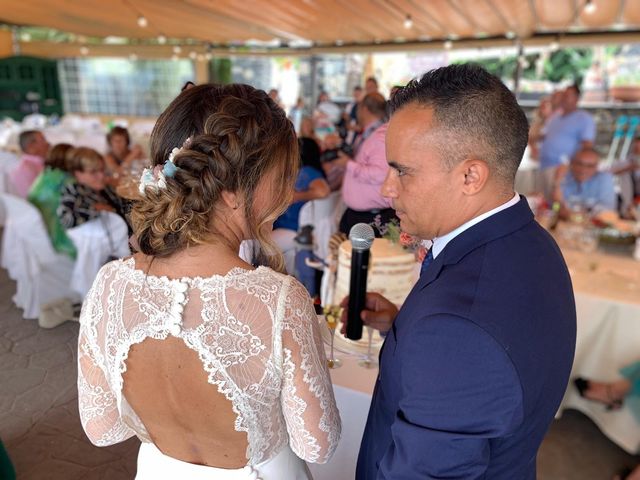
x=361, y=236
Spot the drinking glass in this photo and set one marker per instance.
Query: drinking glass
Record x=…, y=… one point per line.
x=331, y=316
x=369, y=361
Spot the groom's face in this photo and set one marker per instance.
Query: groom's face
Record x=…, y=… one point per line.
x=423, y=191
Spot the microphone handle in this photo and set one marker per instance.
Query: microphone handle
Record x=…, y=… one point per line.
x=357, y=292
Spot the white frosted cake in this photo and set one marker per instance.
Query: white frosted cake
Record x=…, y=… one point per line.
x=392, y=271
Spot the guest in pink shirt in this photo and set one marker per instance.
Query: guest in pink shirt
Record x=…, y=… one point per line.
x=34, y=150
x=366, y=172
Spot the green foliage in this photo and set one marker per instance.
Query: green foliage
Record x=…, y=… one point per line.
x=568, y=64
x=220, y=70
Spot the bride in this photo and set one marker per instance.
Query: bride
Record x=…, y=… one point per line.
x=217, y=366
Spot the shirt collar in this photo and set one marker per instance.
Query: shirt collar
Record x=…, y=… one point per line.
x=440, y=242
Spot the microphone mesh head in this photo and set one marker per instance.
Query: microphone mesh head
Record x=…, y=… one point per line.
x=361, y=236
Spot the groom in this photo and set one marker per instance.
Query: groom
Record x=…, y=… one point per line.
x=476, y=361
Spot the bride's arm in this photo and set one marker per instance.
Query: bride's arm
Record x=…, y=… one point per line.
x=313, y=420
x=96, y=400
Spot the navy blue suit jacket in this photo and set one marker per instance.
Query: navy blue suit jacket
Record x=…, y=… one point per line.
x=477, y=361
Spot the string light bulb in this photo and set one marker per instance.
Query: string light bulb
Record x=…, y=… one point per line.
x=510, y=34
x=448, y=44
x=177, y=49
x=142, y=22
x=408, y=22
x=84, y=51
x=162, y=39
x=589, y=7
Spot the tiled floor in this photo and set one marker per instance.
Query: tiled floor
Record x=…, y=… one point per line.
x=40, y=427
x=39, y=421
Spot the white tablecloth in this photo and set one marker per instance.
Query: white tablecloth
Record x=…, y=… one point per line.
x=354, y=408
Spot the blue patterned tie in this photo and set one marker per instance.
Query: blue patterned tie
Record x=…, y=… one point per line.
x=428, y=260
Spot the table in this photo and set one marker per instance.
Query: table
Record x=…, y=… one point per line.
x=607, y=290
x=353, y=386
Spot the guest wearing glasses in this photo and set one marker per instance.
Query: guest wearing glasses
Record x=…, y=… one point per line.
x=87, y=195
x=585, y=186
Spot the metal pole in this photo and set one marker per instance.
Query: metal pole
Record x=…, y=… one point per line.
x=518, y=73
x=15, y=40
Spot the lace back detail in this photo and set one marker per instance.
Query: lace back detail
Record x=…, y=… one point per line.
x=255, y=333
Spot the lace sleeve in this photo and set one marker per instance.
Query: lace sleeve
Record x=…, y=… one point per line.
x=308, y=404
x=97, y=402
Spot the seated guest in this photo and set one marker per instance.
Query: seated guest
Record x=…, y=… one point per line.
x=34, y=150
x=310, y=185
x=45, y=195
x=583, y=184
x=624, y=391
x=630, y=166
x=87, y=194
x=120, y=155
x=366, y=172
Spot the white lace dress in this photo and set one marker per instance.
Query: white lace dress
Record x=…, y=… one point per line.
x=257, y=335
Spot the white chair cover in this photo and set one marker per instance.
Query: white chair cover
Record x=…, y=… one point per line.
x=324, y=215
x=34, y=121
x=8, y=161
x=59, y=134
x=41, y=274
x=97, y=141
x=94, y=248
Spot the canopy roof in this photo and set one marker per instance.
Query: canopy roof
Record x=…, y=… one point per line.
x=323, y=22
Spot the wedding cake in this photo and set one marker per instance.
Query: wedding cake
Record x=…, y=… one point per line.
x=392, y=271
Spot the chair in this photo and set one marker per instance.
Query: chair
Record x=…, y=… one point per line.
x=41, y=274
x=8, y=162
x=34, y=121
x=324, y=215
x=97, y=141
x=95, y=242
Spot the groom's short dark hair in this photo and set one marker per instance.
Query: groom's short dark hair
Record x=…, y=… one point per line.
x=477, y=110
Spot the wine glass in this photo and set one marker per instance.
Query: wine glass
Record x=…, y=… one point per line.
x=331, y=315
x=369, y=361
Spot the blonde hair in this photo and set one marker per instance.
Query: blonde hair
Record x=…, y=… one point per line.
x=83, y=158
x=238, y=135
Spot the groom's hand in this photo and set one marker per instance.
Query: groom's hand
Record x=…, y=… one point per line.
x=378, y=313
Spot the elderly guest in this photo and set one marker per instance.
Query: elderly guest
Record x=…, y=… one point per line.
x=87, y=194
x=584, y=185
x=45, y=195
x=121, y=155
x=34, y=150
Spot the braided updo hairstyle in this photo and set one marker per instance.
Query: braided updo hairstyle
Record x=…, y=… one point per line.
x=237, y=136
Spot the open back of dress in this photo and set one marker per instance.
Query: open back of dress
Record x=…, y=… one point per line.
x=262, y=369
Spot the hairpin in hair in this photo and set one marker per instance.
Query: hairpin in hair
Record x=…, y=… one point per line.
x=156, y=177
